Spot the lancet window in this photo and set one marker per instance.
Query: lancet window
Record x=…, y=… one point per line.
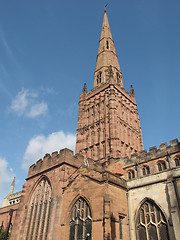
x=99, y=75
x=80, y=221
x=151, y=223
x=107, y=44
x=39, y=212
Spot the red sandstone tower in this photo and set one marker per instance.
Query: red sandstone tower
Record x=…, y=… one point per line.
x=108, y=121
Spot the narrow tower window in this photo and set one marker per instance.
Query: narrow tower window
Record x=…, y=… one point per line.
x=99, y=75
x=107, y=44
x=118, y=77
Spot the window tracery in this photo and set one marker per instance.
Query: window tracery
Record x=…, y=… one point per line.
x=177, y=161
x=146, y=170
x=99, y=76
x=131, y=174
x=151, y=223
x=39, y=211
x=162, y=166
x=80, y=221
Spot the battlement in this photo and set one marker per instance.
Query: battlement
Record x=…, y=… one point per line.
x=55, y=159
x=154, y=153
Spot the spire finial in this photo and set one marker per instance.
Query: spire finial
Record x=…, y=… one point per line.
x=105, y=7
x=132, y=92
x=84, y=89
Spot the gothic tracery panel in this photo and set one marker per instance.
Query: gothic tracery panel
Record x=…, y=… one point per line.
x=80, y=221
x=39, y=212
x=151, y=223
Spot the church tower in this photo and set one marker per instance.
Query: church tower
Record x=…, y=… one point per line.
x=108, y=122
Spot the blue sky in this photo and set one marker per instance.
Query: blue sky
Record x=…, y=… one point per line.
x=48, y=50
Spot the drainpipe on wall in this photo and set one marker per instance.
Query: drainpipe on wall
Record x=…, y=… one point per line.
x=54, y=216
x=129, y=216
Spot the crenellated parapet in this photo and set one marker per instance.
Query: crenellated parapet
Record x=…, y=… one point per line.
x=49, y=161
x=56, y=159
x=156, y=160
x=153, y=153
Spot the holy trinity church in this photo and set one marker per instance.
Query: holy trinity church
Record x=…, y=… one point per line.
x=111, y=188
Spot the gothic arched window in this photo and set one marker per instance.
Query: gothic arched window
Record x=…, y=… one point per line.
x=39, y=211
x=80, y=221
x=146, y=170
x=177, y=161
x=131, y=174
x=161, y=166
x=151, y=223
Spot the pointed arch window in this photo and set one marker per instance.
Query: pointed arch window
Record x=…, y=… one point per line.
x=131, y=174
x=162, y=166
x=39, y=211
x=80, y=221
x=146, y=170
x=151, y=222
x=177, y=161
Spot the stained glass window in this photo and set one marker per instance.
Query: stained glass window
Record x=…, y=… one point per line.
x=151, y=223
x=80, y=221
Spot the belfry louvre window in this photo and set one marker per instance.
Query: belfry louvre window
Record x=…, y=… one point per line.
x=151, y=223
x=39, y=212
x=80, y=221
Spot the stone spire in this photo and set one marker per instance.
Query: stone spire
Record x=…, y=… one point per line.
x=6, y=199
x=12, y=187
x=106, y=56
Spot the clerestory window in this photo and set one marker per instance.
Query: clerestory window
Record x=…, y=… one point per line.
x=131, y=174
x=177, y=161
x=146, y=170
x=80, y=221
x=161, y=166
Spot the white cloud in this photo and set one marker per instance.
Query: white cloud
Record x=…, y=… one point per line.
x=26, y=103
x=37, y=110
x=20, y=102
x=40, y=145
x=5, y=173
